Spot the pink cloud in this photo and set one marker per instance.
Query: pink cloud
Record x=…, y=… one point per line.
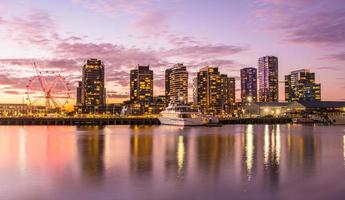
x=36, y=28
x=177, y=40
x=204, y=51
x=329, y=68
x=113, y=7
x=336, y=57
x=14, y=92
x=152, y=23
x=71, y=52
x=288, y=2
x=314, y=25
x=44, y=64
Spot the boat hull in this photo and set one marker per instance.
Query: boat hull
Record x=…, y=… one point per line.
x=181, y=121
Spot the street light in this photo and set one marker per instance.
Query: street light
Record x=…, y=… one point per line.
x=278, y=111
x=250, y=99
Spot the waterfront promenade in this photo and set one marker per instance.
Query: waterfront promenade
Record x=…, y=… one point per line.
x=73, y=121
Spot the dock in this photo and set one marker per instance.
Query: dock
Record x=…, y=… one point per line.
x=72, y=121
x=263, y=120
x=79, y=121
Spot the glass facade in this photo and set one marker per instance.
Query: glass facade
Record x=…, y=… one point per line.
x=300, y=86
x=141, y=90
x=92, y=88
x=249, y=85
x=268, y=79
x=215, y=92
x=176, y=84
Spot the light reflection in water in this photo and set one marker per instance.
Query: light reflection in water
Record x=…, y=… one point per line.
x=22, y=150
x=249, y=146
x=266, y=144
x=180, y=154
x=344, y=148
x=130, y=162
x=277, y=144
x=272, y=145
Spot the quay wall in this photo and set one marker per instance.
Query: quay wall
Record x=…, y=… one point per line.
x=125, y=121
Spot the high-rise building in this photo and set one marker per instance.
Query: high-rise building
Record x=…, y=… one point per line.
x=195, y=91
x=141, y=90
x=268, y=79
x=249, y=85
x=176, y=84
x=92, y=89
x=79, y=93
x=300, y=86
x=229, y=89
x=214, y=91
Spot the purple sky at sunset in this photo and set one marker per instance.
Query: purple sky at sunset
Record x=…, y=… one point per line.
x=59, y=35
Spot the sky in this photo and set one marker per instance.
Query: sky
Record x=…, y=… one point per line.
x=60, y=35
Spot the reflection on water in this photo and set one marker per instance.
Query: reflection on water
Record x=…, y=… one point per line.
x=180, y=154
x=91, y=151
x=344, y=148
x=141, y=153
x=249, y=150
x=161, y=162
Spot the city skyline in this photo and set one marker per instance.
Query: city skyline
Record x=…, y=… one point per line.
x=124, y=34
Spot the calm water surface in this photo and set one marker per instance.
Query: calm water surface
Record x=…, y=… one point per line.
x=161, y=162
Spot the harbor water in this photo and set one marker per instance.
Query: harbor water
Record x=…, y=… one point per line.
x=167, y=162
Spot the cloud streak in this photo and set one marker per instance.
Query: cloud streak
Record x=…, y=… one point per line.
x=315, y=25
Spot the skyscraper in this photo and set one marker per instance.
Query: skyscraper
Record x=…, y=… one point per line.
x=195, y=91
x=79, y=92
x=249, y=85
x=300, y=86
x=176, y=84
x=268, y=79
x=213, y=90
x=141, y=90
x=229, y=89
x=93, y=92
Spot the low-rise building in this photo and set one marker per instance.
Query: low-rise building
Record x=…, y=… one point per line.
x=17, y=110
x=264, y=109
x=293, y=109
x=317, y=107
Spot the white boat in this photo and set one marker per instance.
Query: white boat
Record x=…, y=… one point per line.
x=181, y=115
x=338, y=119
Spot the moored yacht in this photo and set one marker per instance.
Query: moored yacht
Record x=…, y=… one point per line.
x=181, y=115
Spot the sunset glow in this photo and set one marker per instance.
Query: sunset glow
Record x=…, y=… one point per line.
x=60, y=35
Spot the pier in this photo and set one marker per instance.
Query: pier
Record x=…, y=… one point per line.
x=79, y=121
x=263, y=120
x=125, y=121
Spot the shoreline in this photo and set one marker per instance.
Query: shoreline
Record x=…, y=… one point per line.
x=125, y=121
